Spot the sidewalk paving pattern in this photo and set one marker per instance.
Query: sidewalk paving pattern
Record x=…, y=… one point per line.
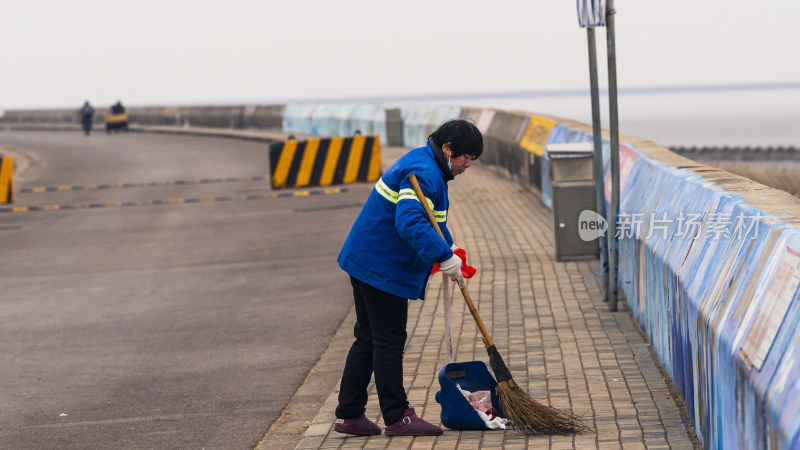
x=547, y=319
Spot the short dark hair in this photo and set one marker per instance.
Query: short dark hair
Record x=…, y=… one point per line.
x=463, y=136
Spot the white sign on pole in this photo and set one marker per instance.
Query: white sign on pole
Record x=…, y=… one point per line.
x=591, y=13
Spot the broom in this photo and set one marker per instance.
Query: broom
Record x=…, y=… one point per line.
x=526, y=414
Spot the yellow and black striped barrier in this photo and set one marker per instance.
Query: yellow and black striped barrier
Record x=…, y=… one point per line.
x=6, y=180
x=323, y=162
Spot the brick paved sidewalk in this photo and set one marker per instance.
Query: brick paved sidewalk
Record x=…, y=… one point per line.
x=549, y=323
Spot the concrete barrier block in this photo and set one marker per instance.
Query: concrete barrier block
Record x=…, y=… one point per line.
x=49, y=116
x=325, y=162
x=420, y=121
x=535, y=135
x=264, y=116
x=501, y=143
x=156, y=115
x=213, y=116
x=297, y=117
x=345, y=119
x=472, y=114
x=484, y=120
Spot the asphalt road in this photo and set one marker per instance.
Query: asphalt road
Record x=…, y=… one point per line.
x=160, y=324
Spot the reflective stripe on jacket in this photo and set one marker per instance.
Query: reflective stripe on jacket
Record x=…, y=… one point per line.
x=391, y=245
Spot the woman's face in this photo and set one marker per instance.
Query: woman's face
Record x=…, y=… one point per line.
x=459, y=164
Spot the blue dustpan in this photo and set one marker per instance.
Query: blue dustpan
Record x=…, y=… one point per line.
x=457, y=413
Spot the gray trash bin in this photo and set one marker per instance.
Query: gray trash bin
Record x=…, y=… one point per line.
x=572, y=191
x=394, y=127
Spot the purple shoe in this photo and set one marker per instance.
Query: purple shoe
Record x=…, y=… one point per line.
x=411, y=425
x=360, y=427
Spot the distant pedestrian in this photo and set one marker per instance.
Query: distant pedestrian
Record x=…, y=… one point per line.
x=389, y=254
x=87, y=115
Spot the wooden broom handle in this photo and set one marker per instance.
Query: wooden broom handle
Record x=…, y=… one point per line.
x=487, y=339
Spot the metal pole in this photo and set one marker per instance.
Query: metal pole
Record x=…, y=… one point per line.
x=598, y=155
x=613, y=256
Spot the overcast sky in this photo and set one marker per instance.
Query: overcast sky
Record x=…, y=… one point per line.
x=145, y=52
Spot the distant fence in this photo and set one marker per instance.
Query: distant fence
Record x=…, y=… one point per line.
x=245, y=116
x=719, y=300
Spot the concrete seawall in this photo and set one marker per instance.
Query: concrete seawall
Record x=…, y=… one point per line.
x=250, y=116
x=719, y=301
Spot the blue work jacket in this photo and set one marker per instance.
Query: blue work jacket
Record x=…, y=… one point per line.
x=392, y=246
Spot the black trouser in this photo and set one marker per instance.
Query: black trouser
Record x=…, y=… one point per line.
x=380, y=334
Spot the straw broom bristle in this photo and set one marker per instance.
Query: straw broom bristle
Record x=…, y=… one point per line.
x=526, y=414
x=531, y=417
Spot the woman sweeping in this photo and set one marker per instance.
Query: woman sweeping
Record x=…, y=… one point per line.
x=389, y=254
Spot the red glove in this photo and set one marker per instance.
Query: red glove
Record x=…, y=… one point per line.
x=466, y=271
